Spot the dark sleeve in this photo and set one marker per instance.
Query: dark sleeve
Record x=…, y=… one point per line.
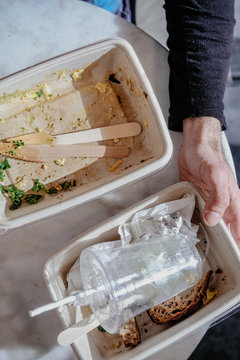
x=200, y=43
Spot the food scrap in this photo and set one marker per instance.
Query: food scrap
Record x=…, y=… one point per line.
x=46, y=91
x=209, y=295
x=62, y=75
x=60, y=162
x=77, y=74
x=16, y=144
x=101, y=87
x=100, y=328
x=18, y=196
x=145, y=123
x=115, y=165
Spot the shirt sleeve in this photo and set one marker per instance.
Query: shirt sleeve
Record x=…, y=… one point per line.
x=200, y=43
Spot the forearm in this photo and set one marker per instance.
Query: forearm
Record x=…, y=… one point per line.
x=200, y=40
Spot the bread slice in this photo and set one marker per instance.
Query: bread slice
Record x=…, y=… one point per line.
x=130, y=333
x=179, y=306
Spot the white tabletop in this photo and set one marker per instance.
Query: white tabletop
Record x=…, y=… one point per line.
x=30, y=32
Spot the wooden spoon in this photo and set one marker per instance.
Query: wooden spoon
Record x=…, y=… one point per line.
x=83, y=136
x=47, y=153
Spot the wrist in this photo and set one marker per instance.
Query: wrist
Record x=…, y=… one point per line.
x=202, y=131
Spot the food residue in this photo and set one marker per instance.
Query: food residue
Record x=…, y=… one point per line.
x=60, y=162
x=115, y=165
x=145, y=123
x=46, y=91
x=101, y=87
x=77, y=74
x=210, y=294
x=62, y=75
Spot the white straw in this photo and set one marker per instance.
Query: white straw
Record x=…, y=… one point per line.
x=51, y=306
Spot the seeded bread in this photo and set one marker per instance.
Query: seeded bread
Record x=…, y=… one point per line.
x=130, y=333
x=179, y=306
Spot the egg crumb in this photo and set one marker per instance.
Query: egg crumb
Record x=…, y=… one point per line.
x=210, y=294
x=46, y=91
x=37, y=129
x=115, y=166
x=77, y=74
x=145, y=123
x=116, y=141
x=21, y=182
x=62, y=75
x=60, y=161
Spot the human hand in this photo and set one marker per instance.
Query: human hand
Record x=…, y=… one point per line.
x=201, y=161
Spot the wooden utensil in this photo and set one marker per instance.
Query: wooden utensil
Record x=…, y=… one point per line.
x=74, y=332
x=83, y=136
x=47, y=153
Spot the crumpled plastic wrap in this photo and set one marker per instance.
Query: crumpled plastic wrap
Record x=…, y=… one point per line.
x=169, y=218
x=172, y=217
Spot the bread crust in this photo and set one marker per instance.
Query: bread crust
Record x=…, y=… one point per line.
x=178, y=307
x=130, y=333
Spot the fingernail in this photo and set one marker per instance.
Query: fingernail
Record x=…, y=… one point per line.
x=212, y=218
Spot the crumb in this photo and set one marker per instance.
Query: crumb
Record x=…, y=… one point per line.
x=44, y=166
x=218, y=271
x=77, y=74
x=46, y=91
x=101, y=87
x=145, y=123
x=60, y=161
x=116, y=141
x=115, y=166
x=62, y=74
x=209, y=296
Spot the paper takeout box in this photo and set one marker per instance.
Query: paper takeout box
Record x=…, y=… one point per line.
x=222, y=257
x=98, y=85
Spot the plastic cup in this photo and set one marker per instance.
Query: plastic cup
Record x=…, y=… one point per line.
x=121, y=282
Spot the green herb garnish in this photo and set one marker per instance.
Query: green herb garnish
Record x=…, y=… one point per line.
x=4, y=166
x=39, y=186
x=39, y=93
x=100, y=328
x=15, y=195
x=32, y=198
x=17, y=144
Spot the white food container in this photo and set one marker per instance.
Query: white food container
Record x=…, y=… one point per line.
x=69, y=105
x=222, y=253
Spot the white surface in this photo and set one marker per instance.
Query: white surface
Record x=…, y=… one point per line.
x=154, y=23
x=30, y=32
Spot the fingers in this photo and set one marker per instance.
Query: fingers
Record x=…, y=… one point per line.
x=232, y=214
x=218, y=200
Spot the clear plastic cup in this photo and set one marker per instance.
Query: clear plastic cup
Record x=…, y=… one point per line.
x=121, y=282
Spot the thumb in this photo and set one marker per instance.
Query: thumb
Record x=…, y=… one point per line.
x=218, y=199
